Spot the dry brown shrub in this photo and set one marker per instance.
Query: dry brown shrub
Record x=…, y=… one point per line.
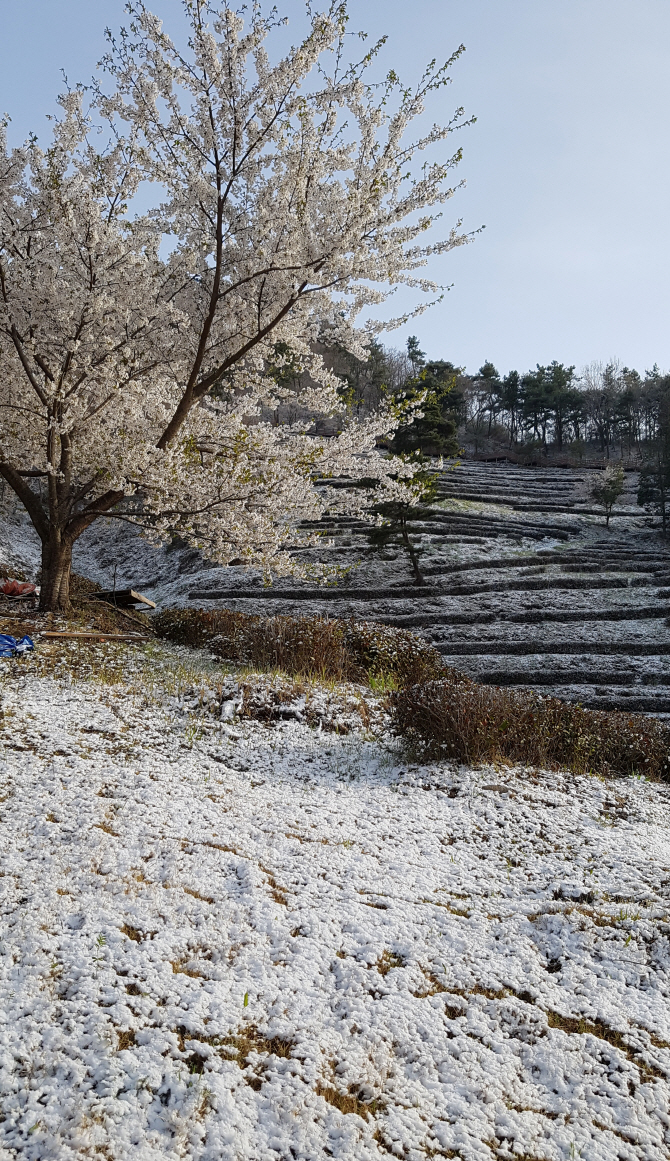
x=308, y=646
x=105, y=617
x=456, y=718
x=384, y=651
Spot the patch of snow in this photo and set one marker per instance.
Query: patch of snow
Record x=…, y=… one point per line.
x=214, y=943
x=20, y=547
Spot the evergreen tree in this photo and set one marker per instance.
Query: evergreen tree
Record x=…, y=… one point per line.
x=416, y=357
x=395, y=514
x=653, y=490
x=510, y=402
x=435, y=433
x=564, y=402
x=607, y=489
x=366, y=382
x=654, y=483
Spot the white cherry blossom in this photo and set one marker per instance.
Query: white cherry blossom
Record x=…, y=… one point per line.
x=141, y=380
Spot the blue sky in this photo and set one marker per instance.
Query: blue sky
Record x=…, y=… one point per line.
x=568, y=166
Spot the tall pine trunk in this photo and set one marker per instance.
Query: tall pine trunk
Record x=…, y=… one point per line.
x=56, y=568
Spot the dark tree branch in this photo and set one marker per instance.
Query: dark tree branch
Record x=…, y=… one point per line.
x=30, y=501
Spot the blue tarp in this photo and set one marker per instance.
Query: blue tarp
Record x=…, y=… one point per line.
x=9, y=646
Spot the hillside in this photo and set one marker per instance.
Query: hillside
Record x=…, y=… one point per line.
x=235, y=942
x=242, y=921
x=526, y=586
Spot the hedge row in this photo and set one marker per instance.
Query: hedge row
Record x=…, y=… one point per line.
x=440, y=711
x=457, y=719
x=306, y=646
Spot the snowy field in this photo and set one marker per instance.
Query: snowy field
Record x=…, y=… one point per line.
x=239, y=942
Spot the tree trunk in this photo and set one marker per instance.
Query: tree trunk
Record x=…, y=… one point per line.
x=419, y=578
x=56, y=567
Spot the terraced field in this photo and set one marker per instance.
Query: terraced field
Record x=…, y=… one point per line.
x=525, y=586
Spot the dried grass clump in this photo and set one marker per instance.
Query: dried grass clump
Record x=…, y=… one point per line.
x=458, y=719
x=384, y=651
x=88, y=610
x=349, y=1102
x=359, y=651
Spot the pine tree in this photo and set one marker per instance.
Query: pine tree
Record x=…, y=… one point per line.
x=653, y=491
x=395, y=514
x=435, y=432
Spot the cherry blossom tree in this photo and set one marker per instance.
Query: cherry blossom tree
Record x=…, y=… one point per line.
x=149, y=388
x=84, y=345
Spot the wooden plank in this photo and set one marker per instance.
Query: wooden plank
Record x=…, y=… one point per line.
x=123, y=597
x=98, y=636
x=144, y=600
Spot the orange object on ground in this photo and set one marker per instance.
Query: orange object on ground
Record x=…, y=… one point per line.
x=14, y=588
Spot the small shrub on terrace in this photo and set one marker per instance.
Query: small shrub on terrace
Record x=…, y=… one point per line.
x=308, y=646
x=458, y=719
x=379, y=650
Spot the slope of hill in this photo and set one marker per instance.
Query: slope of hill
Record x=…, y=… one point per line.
x=233, y=941
x=525, y=585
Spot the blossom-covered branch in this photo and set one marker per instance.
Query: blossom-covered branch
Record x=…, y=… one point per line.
x=139, y=354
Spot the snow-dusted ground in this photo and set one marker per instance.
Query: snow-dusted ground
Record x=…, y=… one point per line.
x=19, y=543
x=237, y=942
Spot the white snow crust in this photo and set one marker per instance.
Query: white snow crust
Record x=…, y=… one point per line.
x=410, y=938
